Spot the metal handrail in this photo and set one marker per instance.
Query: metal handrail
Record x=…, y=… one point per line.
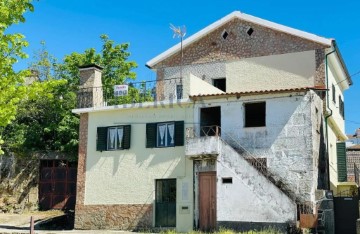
x=252, y=160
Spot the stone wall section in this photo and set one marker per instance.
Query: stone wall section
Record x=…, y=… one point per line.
x=81, y=172
x=123, y=217
x=238, y=45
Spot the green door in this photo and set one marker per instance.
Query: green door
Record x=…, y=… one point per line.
x=165, y=203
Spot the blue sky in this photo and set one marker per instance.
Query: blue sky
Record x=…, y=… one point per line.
x=75, y=25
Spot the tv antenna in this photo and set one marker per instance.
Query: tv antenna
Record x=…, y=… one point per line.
x=179, y=32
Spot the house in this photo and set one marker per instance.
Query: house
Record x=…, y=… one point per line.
x=353, y=157
x=236, y=137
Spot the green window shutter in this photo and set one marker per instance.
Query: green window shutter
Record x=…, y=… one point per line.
x=101, y=142
x=341, y=161
x=179, y=133
x=151, y=135
x=126, y=137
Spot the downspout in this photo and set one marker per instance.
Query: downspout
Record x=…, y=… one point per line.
x=329, y=115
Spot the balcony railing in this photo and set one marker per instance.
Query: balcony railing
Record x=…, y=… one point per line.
x=138, y=92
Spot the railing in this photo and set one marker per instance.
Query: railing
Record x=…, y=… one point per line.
x=259, y=163
x=155, y=90
x=356, y=174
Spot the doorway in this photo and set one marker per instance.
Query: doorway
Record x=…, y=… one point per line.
x=165, y=203
x=207, y=201
x=210, y=118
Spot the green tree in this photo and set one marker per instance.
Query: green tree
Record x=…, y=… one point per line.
x=11, y=48
x=44, y=120
x=113, y=58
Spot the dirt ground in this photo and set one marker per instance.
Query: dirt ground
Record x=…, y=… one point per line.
x=20, y=223
x=23, y=220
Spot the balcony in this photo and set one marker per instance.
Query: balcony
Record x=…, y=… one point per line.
x=205, y=147
x=138, y=92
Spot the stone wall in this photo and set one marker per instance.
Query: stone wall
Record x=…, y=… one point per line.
x=18, y=183
x=238, y=45
x=123, y=217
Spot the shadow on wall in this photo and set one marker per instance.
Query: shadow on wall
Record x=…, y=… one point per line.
x=323, y=168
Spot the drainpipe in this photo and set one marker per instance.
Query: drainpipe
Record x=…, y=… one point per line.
x=329, y=115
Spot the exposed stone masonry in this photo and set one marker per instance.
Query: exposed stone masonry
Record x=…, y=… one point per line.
x=123, y=217
x=238, y=45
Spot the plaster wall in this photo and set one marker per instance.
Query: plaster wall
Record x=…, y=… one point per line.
x=282, y=71
x=271, y=72
x=128, y=176
x=286, y=141
x=256, y=198
x=334, y=105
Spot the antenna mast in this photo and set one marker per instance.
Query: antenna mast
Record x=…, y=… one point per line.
x=179, y=32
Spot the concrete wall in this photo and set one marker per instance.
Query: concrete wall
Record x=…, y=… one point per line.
x=127, y=177
x=287, y=140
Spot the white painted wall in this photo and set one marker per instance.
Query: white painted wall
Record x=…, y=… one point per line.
x=251, y=197
x=271, y=72
x=128, y=176
x=286, y=140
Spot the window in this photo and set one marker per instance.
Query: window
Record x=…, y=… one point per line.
x=113, y=138
x=341, y=161
x=333, y=93
x=220, y=83
x=255, y=114
x=165, y=134
x=341, y=107
x=179, y=91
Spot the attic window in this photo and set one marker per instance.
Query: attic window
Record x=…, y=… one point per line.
x=250, y=31
x=225, y=34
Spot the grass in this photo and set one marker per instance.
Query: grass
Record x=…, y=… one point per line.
x=228, y=231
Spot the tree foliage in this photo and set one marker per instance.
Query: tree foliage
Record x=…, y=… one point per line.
x=11, y=48
x=44, y=120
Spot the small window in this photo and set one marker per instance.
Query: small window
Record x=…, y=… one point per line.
x=255, y=114
x=333, y=93
x=179, y=91
x=225, y=34
x=341, y=107
x=113, y=138
x=220, y=83
x=227, y=180
x=250, y=31
x=166, y=134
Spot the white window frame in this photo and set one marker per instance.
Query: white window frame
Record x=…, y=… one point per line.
x=118, y=143
x=167, y=141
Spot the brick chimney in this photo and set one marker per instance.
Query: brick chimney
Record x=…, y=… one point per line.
x=90, y=90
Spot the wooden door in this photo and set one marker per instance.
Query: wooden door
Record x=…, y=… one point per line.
x=207, y=201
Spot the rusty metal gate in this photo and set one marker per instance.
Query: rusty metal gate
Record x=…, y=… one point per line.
x=57, y=185
x=346, y=213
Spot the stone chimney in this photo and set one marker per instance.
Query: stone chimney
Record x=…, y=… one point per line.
x=90, y=90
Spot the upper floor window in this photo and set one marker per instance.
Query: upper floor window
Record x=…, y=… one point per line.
x=333, y=93
x=113, y=138
x=165, y=134
x=255, y=114
x=179, y=91
x=220, y=83
x=341, y=107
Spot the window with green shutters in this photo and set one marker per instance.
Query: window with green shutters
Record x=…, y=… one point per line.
x=113, y=138
x=341, y=161
x=165, y=134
